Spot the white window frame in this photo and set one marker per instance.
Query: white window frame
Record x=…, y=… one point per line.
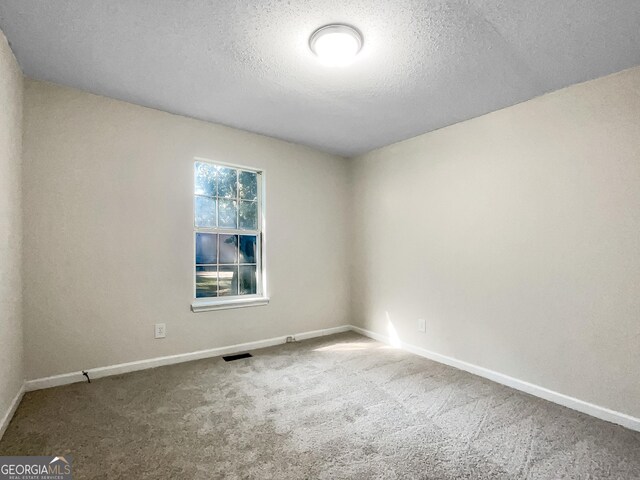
x=235, y=301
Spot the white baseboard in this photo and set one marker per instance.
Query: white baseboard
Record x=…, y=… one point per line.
x=323, y=332
x=74, y=377
x=602, y=413
x=4, y=423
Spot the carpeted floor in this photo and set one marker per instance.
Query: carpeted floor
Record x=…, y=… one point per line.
x=331, y=408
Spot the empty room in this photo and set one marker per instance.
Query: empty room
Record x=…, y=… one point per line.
x=383, y=239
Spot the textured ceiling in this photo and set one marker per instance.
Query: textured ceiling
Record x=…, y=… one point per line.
x=424, y=65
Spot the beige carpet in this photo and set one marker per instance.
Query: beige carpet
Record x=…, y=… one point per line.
x=337, y=407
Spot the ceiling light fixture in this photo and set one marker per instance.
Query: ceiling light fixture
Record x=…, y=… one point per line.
x=336, y=44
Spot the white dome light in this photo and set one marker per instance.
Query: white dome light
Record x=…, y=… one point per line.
x=336, y=45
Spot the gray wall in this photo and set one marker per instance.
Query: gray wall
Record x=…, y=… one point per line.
x=515, y=235
x=109, y=233
x=11, y=359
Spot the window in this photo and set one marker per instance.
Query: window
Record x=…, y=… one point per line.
x=228, y=236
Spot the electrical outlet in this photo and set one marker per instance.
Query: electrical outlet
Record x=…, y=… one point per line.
x=160, y=330
x=422, y=325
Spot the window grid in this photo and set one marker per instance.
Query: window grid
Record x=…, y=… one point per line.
x=243, y=276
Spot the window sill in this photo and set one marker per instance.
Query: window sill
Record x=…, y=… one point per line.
x=207, y=305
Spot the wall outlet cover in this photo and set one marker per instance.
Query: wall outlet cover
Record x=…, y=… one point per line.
x=422, y=325
x=160, y=330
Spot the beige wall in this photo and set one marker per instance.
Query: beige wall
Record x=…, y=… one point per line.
x=109, y=233
x=515, y=235
x=11, y=359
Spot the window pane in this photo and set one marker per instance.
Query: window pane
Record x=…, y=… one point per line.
x=227, y=213
x=227, y=182
x=249, y=215
x=248, y=185
x=206, y=248
x=228, y=281
x=228, y=249
x=247, y=249
x=248, y=284
x=205, y=176
x=206, y=282
x=226, y=200
x=205, y=212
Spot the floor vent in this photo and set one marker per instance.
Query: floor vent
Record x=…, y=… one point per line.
x=231, y=358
